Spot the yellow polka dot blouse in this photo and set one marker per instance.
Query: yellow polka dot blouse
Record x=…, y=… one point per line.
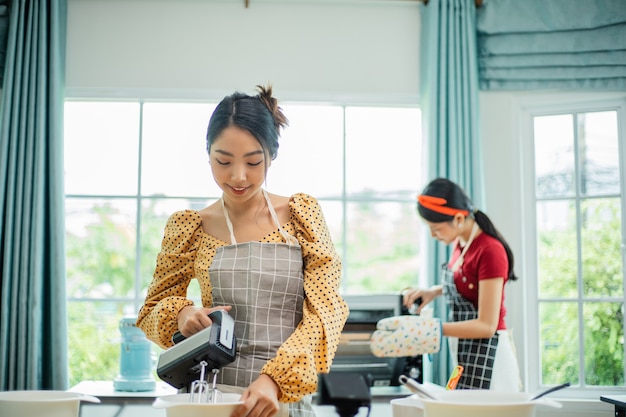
x=187, y=252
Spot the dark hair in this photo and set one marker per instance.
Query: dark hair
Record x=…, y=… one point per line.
x=456, y=198
x=260, y=115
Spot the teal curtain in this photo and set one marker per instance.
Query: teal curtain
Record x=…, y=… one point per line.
x=449, y=88
x=4, y=30
x=33, y=323
x=552, y=44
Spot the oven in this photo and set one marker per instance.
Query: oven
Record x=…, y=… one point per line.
x=353, y=353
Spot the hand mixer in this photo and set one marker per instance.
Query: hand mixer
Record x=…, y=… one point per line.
x=185, y=364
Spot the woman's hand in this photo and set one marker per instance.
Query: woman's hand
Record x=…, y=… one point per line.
x=410, y=295
x=260, y=399
x=192, y=319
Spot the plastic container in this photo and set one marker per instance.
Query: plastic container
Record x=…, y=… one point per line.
x=136, y=364
x=179, y=406
x=474, y=403
x=42, y=403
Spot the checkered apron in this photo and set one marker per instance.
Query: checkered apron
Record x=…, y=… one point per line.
x=475, y=355
x=263, y=282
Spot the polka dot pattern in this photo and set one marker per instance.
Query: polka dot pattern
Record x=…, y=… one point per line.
x=402, y=336
x=186, y=254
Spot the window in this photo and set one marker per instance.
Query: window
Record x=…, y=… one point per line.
x=576, y=166
x=130, y=164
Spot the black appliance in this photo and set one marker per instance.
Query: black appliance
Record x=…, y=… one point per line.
x=353, y=353
x=216, y=346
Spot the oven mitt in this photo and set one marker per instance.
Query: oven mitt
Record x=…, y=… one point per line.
x=402, y=336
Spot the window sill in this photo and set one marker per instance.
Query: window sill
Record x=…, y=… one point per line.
x=577, y=407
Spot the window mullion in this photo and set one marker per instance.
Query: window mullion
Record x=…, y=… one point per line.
x=621, y=132
x=137, y=298
x=579, y=256
x=344, y=202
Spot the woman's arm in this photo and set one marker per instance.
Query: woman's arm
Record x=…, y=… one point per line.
x=167, y=293
x=311, y=347
x=485, y=326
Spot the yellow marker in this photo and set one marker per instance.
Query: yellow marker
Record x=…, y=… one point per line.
x=454, y=378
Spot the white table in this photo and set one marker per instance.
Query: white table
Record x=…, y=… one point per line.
x=107, y=394
x=139, y=403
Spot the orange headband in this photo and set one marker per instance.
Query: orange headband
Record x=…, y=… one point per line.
x=436, y=204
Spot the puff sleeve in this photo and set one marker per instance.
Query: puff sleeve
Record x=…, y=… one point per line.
x=174, y=270
x=311, y=348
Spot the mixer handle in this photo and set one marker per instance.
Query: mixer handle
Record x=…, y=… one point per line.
x=215, y=317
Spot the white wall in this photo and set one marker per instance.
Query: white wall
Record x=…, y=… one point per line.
x=502, y=167
x=359, y=50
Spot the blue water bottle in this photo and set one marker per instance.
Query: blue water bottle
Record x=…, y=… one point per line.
x=135, y=359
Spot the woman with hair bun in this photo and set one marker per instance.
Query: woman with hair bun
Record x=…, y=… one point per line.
x=267, y=259
x=472, y=283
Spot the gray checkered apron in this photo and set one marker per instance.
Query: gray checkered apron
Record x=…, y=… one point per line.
x=475, y=355
x=264, y=284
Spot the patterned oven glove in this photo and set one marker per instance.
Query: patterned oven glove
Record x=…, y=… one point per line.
x=401, y=336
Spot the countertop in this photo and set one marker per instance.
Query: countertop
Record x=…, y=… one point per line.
x=132, y=404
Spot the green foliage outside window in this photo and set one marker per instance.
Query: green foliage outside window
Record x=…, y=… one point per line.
x=601, y=318
x=94, y=341
x=101, y=284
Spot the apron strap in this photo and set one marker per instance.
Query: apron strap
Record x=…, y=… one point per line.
x=229, y=224
x=288, y=238
x=459, y=261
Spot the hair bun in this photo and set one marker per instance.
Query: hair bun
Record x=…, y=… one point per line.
x=265, y=95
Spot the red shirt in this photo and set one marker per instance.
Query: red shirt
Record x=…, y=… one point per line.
x=485, y=258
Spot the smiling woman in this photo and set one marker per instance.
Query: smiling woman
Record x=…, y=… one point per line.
x=268, y=260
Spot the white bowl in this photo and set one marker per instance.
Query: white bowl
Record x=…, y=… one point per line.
x=36, y=403
x=407, y=407
x=179, y=406
x=484, y=403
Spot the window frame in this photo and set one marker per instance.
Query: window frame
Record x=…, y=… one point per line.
x=545, y=105
x=138, y=197
x=344, y=198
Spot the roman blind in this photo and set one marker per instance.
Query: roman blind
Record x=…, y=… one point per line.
x=552, y=44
